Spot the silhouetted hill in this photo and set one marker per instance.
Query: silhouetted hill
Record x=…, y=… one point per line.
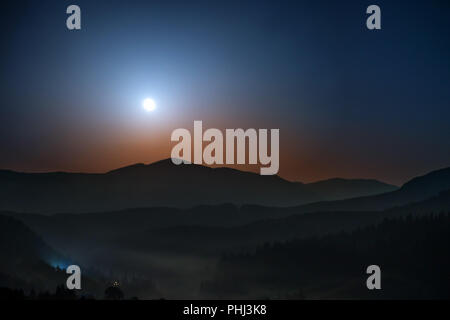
x=170, y=226
x=16, y=239
x=170, y=243
x=28, y=262
x=207, y=239
x=25, y=258
x=417, y=189
x=206, y=229
x=163, y=184
x=339, y=188
x=412, y=253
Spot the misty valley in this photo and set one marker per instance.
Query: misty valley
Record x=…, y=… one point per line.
x=311, y=250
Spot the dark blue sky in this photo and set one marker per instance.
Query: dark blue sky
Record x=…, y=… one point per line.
x=349, y=102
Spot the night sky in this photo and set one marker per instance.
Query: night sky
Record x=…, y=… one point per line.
x=349, y=102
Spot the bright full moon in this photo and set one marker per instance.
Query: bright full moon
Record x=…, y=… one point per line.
x=149, y=104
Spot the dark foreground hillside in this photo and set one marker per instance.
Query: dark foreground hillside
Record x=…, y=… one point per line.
x=29, y=265
x=412, y=252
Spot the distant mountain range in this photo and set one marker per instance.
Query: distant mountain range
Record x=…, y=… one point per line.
x=213, y=226
x=417, y=189
x=165, y=184
x=207, y=239
x=174, y=245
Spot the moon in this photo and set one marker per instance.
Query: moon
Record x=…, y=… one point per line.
x=149, y=104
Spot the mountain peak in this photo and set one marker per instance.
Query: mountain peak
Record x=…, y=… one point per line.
x=130, y=168
x=437, y=179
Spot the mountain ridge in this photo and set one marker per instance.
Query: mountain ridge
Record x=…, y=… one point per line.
x=417, y=189
x=160, y=184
